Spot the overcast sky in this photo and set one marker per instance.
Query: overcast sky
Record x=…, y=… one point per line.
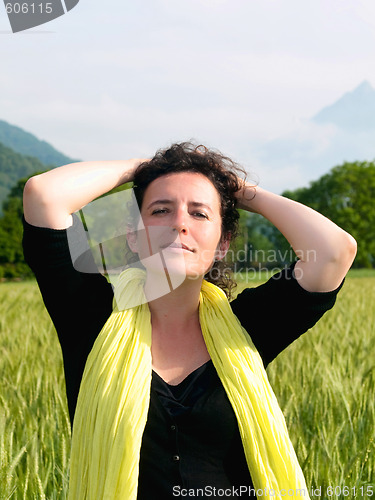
x=114, y=79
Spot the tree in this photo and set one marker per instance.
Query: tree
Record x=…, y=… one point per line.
x=346, y=196
x=255, y=246
x=12, y=263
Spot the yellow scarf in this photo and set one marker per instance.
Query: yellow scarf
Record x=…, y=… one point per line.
x=114, y=398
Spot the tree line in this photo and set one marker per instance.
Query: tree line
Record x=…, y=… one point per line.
x=345, y=195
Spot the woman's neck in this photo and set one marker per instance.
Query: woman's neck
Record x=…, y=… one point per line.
x=178, y=347
x=178, y=309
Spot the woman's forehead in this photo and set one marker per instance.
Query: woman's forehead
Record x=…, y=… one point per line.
x=183, y=185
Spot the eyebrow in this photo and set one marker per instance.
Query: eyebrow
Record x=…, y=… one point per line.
x=170, y=202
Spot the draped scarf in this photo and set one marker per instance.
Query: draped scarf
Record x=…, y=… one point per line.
x=114, y=397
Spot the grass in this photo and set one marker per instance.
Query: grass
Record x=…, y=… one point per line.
x=325, y=383
x=34, y=422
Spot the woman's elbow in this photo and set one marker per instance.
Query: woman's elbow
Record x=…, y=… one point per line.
x=346, y=251
x=36, y=200
x=32, y=192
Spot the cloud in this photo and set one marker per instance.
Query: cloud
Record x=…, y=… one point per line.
x=308, y=152
x=130, y=79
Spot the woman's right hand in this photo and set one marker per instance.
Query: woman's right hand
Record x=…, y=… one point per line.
x=50, y=198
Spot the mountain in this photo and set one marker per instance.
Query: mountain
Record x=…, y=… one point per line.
x=14, y=166
x=343, y=131
x=27, y=144
x=354, y=111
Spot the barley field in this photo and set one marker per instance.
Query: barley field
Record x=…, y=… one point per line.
x=325, y=383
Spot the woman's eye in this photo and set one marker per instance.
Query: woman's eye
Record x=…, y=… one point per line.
x=201, y=215
x=159, y=211
x=162, y=211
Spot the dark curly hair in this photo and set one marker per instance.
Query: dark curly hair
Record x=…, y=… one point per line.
x=224, y=174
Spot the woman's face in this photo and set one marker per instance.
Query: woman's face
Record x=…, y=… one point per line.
x=182, y=224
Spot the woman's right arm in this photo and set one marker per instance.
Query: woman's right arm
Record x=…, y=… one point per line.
x=50, y=198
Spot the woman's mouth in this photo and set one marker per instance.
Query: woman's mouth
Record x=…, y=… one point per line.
x=177, y=247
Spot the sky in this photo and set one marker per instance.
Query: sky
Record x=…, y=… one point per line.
x=119, y=79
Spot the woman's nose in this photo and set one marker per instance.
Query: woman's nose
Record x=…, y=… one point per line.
x=181, y=229
x=179, y=224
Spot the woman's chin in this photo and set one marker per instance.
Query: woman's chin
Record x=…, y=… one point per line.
x=164, y=272
x=165, y=275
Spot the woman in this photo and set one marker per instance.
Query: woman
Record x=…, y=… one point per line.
x=174, y=400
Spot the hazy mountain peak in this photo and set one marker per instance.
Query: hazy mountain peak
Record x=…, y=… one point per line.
x=354, y=111
x=365, y=88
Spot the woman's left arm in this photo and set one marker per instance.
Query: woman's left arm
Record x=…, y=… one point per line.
x=325, y=251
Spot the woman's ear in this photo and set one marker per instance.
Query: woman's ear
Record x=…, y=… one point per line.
x=222, y=249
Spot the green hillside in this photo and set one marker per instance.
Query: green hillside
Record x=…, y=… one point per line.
x=27, y=144
x=14, y=166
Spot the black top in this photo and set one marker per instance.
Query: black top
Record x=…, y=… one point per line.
x=191, y=440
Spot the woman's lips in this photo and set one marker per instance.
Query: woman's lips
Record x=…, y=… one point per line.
x=177, y=247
